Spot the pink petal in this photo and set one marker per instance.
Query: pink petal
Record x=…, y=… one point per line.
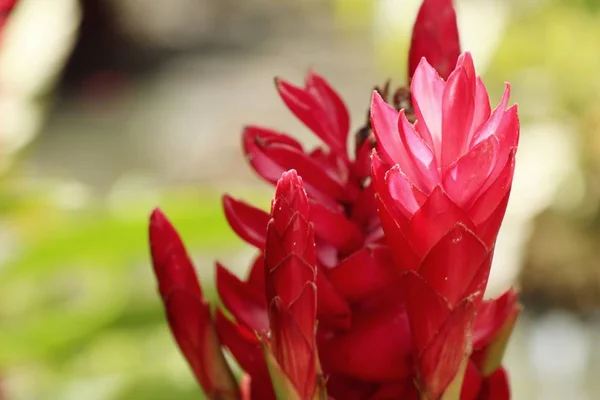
x=464, y=180
x=491, y=126
x=379, y=176
x=508, y=137
x=247, y=305
x=435, y=37
x=384, y=120
x=458, y=104
x=420, y=154
x=465, y=62
x=453, y=263
x=247, y=221
x=427, y=89
x=407, y=197
x=482, y=108
x=488, y=201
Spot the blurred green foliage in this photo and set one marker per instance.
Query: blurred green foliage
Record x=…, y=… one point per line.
x=77, y=296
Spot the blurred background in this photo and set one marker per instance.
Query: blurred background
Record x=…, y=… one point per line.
x=110, y=107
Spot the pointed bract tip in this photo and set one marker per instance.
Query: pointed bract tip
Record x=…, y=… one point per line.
x=288, y=181
x=157, y=216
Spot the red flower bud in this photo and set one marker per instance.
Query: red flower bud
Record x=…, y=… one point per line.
x=187, y=311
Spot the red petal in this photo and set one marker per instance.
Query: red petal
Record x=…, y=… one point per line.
x=332, y=310
x=433, y=220
x=363, y=274
x=491, y=317
x=376, y=349
x=426, y=309
x=496, y=386
x=254, y=139
x=440, y=361
x=293, y=339
x=364, y=210
x=453, y=263
x=362, y=163
x=435, y=37
x=290, y=258
x=270, y=157
x=314, y=113
x=247, y=221
x=341, y=387
x=327, y=255
x=472, y=383
x=488, y=229
x=190, y=322
x=394, y=391
x=458, y=104
x=334, y=228
x=256, y=275
x=245, y=348
x=172, y=266
x=332, y=104
x=247, y=305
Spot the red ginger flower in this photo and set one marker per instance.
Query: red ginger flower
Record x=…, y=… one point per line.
x=364, y=340
x=442, y=187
